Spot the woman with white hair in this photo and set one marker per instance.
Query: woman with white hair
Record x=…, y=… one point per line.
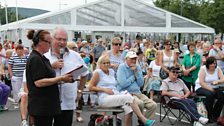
x=85, y=48
x=104, y=83
x=204, y=52
x=73, y=46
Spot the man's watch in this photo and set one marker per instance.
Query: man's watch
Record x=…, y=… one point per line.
x=79, y=91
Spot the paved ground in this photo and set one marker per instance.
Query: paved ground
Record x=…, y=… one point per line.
x=12, y=118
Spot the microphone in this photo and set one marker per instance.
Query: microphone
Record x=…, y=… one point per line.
x=62, y=52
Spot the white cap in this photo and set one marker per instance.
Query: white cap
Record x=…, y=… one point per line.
x=84, y=42
x=131, y=54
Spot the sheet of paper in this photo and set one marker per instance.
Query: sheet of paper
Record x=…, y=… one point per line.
x=75, y=70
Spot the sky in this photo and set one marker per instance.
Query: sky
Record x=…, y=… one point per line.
x=50, y=5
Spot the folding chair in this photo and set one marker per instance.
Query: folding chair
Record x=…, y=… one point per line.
x=169, y=108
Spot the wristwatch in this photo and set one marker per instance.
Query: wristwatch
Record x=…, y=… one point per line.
x=79, y=91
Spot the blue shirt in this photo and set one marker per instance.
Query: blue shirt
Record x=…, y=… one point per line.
x=126, y=78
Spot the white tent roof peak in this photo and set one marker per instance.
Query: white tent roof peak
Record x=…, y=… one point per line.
x=113, y=15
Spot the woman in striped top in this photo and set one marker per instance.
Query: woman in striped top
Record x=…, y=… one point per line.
x=16, y=66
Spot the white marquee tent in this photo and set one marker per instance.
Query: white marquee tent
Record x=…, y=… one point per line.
x=106, y=16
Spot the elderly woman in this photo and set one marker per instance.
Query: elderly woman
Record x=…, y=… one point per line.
x=104, y=82
x=210, y=84
x=42, y=83
x=191, y=65
x=73, y=46
x=204, y=52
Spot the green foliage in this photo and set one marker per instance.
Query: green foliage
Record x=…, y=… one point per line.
x=208, y=12
x=11, y=16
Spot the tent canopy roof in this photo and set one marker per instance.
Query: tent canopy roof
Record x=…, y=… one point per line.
x=113, y=15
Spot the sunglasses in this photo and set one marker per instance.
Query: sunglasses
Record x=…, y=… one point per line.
x=116, y=44
x=168, y=44
x=106, y=63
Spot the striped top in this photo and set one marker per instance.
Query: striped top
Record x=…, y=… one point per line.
x=18, y=65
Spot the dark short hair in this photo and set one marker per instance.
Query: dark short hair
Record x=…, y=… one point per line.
x=19, y=46
x=190, y=44
x=210, y=60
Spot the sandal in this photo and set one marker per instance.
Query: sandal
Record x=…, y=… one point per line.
x=79, y=119
x=149, y=122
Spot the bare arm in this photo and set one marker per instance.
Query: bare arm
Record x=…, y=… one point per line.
x=25, y=88
x=175, y=59
x=3, y=70
x=149, y=72
x=10, y=70
x=162, y=66
x=202, y=80
x=219, y=52
x=68, y=78
x=221, y=78
x=187, y=94
x=93, y=82
x=83, y=81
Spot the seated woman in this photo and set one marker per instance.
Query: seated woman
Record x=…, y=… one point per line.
x=104, y=82
x=178, y=92
x=210, y=84
x=154, y=81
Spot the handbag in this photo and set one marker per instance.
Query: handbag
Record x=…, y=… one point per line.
x=107, y=121
x=93, y=118
x=201, y=109
x=163, y=74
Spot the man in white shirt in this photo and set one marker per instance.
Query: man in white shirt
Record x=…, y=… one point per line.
x=63, y=59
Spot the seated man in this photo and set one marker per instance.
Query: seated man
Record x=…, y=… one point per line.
x=4, y=93
x=130, y=78
x=178, y=92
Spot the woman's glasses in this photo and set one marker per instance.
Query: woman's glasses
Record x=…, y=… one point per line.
x=106, y=63
x=116, y=44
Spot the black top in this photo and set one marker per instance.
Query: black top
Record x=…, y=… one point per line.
x=42, y=101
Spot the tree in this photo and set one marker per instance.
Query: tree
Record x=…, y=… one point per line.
x=11, y=15
x=208, y=12
x=212, y=15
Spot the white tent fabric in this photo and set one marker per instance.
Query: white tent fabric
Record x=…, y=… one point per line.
x=111, y=15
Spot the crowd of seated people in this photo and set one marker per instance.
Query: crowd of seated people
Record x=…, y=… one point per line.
x=201, y=71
